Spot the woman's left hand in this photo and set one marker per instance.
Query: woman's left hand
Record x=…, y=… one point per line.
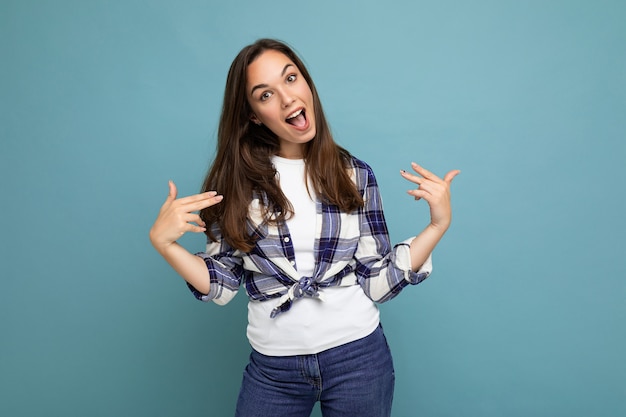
x=435, y=191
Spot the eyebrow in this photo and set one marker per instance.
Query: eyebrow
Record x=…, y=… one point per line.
x=256, y=87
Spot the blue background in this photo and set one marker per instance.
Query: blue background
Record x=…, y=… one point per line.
x=101, y=102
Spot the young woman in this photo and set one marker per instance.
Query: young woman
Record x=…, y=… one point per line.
x=298, y=222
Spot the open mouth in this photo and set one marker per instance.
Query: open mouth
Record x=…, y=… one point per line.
x=297, y=118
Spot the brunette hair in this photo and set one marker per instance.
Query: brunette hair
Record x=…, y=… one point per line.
x=242, y=166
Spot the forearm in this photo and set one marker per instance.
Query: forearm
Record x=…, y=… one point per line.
x=191, y=267
x=424, y=244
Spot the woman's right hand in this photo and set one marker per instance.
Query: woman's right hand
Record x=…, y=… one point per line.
x=177, y=217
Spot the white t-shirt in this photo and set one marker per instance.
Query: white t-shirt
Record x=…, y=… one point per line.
x=311, y=325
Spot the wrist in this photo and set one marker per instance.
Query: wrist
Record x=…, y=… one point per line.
x=162, y=247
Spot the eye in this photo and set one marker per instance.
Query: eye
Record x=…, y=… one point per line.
x=291, y=78
x=265, y=95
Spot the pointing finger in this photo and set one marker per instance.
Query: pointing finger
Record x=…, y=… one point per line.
x=197, y=197
x=204, y=203
x=424, y=172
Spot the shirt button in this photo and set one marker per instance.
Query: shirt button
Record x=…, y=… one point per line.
x=292, y=263
x=287, y=239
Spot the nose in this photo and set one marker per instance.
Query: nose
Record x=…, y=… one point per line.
x=286, y=98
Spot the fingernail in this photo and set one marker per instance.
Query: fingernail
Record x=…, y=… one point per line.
x=219, y=197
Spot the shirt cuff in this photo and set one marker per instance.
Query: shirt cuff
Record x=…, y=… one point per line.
x=213, y=289
x=404, y=261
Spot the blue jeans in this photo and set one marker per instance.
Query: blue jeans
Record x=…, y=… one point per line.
x=355, y=379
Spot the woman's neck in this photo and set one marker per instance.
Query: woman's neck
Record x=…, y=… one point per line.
x=291, y=151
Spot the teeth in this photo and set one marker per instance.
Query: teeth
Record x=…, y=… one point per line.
x=294, y=114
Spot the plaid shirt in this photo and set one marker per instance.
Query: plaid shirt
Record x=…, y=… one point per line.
x=350, y=249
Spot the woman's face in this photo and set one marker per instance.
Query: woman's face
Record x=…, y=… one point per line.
x=281, y=99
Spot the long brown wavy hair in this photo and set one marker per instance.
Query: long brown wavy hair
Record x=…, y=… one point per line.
x=242, y=166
